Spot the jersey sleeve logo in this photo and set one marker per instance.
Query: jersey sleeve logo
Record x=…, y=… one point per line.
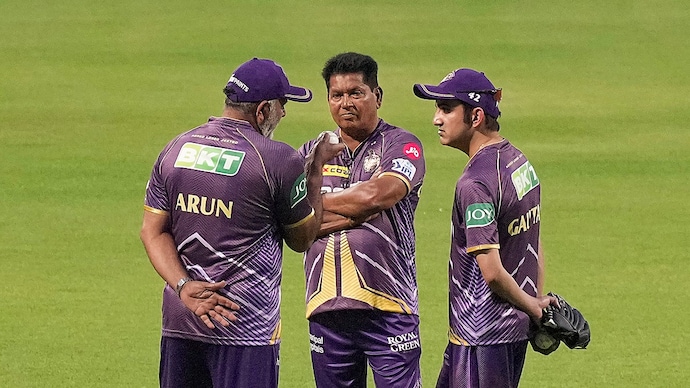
x=298, y=191
x=479, y=214
x=412, y=151
x=336, y=170
x=404, y=167
x=215, y=160
x=524, y=179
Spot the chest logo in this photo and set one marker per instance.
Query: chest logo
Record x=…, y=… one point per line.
x=524, y=179
x=372, y=161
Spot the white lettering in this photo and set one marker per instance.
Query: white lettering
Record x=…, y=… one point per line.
x=228, y=160
x=206, y=157
x=404, y=342
x=187, y=155
x=239, y=83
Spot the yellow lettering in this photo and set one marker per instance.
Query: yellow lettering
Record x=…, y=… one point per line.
x=180, y=203
x=523, y=224
x=525, y=221
x=220, y=207
x=193, y=203
x=203, y=206
x=512, y=229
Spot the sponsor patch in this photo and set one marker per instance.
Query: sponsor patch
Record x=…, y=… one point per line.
x=524, y=179
x=404, y=167
x=335, y=170
x=299, y=190
x=215, y=160
x=479, y=214
x=412, y=151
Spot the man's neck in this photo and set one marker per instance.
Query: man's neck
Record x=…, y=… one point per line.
x=481, y=140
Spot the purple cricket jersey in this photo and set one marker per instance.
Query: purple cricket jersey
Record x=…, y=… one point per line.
x=497, y=202
x=371, y=266
x=229, y=192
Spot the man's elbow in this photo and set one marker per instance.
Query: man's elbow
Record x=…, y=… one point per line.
x=299, y=246
x=300, y=238
x=144, y=236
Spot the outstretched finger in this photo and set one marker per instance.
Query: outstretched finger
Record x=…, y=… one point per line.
x=215, y=286
x=227, y=303
x=220, y=318
x=227, y=314
x=207, y=321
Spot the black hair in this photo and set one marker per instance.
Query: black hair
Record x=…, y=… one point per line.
x=350, y=62
x=491, y=122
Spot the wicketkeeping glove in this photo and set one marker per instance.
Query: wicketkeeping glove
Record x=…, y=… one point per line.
x=566, y=324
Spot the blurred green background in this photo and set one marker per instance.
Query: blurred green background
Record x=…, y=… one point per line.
x=595, y=93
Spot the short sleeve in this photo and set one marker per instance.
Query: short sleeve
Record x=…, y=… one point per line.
x=403, y=157
x=293, y=207
x=478, y=211
x=156, y=198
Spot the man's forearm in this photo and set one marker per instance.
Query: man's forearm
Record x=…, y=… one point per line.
x=314, y=180
x=366, y=198
x=164, y=258
x=334, y=222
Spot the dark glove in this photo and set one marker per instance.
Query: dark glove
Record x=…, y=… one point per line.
x=543, y=342
x=566, y=323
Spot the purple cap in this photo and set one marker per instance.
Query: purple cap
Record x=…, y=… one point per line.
x=262, y=79
x=466, y=85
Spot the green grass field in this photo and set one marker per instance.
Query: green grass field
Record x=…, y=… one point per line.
x=595, y=93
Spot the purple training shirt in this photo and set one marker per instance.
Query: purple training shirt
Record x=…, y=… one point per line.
x=497, y=204
x=371, y=266
x=229, y=192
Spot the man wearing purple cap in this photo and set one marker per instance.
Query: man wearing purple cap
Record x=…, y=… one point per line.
x=361, y=273
x=496, y=272
x=221, y=199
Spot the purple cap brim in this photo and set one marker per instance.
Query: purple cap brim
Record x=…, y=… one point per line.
x=431, y=92
x=299, y=94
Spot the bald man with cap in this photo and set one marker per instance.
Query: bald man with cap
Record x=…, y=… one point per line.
x=221, y=199
x=496, y=270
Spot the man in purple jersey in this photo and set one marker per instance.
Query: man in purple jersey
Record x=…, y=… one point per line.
x=496, y=272
x=221, y=199
x=361, y=277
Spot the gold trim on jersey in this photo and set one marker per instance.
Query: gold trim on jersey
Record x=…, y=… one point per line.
x=302, y=221
x=483, y=247
x=276, y=333
x=155, y=211
x=326, y=287
x=456, y=339
x=353, y=285
x=399, y=176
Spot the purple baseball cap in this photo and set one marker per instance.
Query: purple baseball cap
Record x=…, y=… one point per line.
x=466, y=85
x=262, y=79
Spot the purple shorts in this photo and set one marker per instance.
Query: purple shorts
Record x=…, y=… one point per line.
x=194, y=364
x=342, y=342
x=492, y=366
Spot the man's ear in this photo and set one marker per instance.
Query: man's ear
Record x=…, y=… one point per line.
x=262, y=111
x=477, y=116
x=378, y=91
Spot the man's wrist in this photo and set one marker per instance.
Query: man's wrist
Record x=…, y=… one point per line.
x=180, y=284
